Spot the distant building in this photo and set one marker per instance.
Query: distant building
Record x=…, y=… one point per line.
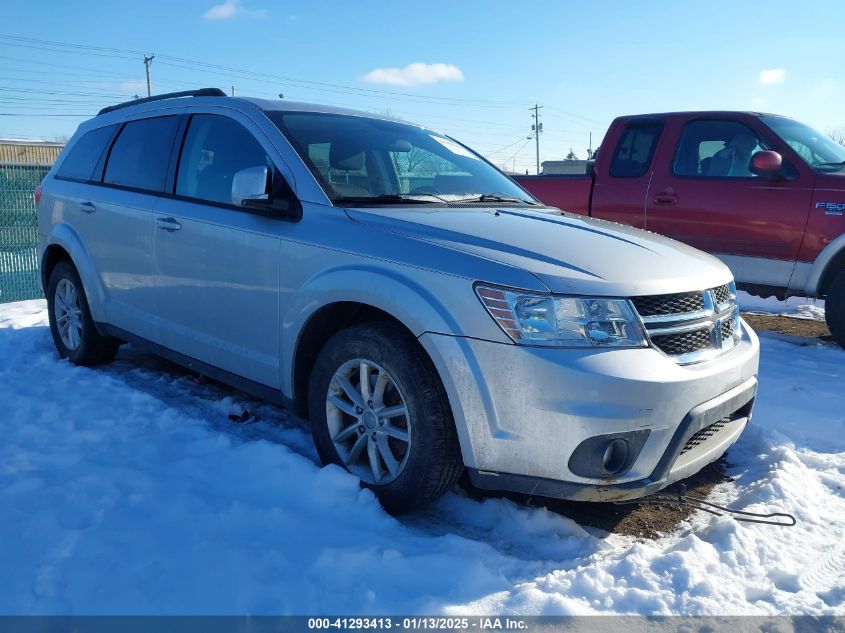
x=29, y=152
x=565, y=167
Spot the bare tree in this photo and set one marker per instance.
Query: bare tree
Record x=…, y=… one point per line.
x=837, y=134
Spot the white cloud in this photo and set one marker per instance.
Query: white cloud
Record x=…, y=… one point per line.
x=230, y=9
x=415, y=74
x=772, y=76
x=138, y=86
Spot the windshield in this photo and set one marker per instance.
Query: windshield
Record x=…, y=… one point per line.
x=816, y=149
x=374, y=161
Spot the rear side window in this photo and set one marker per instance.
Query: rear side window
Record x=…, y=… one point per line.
x=140, y=155
x=216, y=148
x=633, y=154
x=85, y=154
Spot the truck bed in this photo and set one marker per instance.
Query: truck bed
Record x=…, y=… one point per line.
x=566, y=192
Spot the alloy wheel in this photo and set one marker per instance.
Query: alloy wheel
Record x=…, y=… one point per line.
x=68, y=314
x=368, y=421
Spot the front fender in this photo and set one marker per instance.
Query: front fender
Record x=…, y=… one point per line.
x=420, y=304
x=814, y=278
x=66, y=237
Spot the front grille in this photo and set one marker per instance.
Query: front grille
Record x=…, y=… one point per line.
x=664, y=305
x=705, y=434
x=684, y=343
x=722, y=294
x=691, y=326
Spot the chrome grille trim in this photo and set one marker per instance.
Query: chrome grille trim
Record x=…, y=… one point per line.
x=707, y=326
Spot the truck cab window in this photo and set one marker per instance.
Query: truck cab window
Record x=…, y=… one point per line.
x=633, y=154
x=717, y=149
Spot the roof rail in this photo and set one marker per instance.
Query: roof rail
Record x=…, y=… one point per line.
x=202, y=92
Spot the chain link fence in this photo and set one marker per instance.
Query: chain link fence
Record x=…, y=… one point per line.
x=18, y=232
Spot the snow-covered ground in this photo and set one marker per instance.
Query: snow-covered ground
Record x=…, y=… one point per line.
x=796, y=307
x=126, y=489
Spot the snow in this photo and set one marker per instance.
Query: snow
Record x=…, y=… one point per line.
x=796, y=307
x=126, y=489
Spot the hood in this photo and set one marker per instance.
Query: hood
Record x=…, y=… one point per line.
x=568, y=253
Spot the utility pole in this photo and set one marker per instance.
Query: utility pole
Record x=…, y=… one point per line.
x=537, y=128
x=147, y=62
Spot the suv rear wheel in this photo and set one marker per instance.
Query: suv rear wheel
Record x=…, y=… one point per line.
x=834, y=308
x=74, y=334
x=378, y=409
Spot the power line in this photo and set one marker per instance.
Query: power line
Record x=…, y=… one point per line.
x=57, y=92
x=169, y=59
x=512, y=156
x=496, y=151
x=51, y=115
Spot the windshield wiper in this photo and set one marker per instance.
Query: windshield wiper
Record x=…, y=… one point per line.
x=388, y=198
x=495, y=197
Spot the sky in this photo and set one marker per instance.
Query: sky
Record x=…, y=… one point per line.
x=467, y=68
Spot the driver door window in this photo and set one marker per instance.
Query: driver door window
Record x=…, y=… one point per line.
x=216, y=147
x=717, y=149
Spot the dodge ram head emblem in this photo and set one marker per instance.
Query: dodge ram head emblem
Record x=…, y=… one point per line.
x=831, y=208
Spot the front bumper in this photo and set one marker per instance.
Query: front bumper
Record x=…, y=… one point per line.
x=521, y=412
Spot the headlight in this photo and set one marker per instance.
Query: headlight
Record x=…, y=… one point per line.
x=536, y=319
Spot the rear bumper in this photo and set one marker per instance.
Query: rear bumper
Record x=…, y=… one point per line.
x=680, y=459
x=537, y=420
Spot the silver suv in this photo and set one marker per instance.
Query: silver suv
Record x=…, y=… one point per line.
x=424, y=312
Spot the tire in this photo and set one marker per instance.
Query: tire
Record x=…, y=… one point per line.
x=74, y=333
x=422, y=442
x=834, y=308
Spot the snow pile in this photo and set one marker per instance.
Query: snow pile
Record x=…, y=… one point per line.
x=126, y=489
x=796, y=307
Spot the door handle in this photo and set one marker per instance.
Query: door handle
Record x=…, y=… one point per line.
x=665, y=198
x=87, y=207
x=168, y=224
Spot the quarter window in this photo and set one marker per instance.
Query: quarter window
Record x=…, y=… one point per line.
x=216, y=148
x=633, y=154
x=140, y=155
x=82, y=160
x=717, y=149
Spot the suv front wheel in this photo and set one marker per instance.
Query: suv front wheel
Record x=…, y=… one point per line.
x=74, y=333
x=378, y=409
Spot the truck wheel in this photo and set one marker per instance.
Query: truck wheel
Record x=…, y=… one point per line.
x=834, y=308
x=378, y=409
x=74, y=334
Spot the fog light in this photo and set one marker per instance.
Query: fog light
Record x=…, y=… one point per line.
x=611, y=455
x=615, y=455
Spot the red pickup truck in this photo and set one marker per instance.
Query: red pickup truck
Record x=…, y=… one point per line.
x=764, y=193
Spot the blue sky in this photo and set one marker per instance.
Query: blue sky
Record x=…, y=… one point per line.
x=479, y=65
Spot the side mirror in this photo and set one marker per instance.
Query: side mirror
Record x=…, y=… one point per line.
x=767, y=164
x=251, y=185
